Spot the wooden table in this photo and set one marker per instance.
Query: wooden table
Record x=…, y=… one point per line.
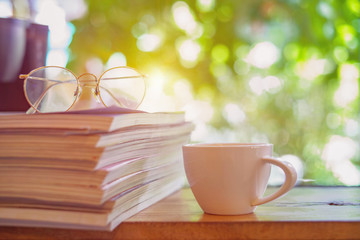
x=305, y=213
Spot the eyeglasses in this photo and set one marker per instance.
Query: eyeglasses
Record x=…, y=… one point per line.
x=56, y=89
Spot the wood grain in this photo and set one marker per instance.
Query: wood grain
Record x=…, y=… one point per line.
x=305, y=213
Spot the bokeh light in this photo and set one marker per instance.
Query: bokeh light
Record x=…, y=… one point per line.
x=259, y=85
x=263, y=55
x=148, y=42
x=234, y=114
x=205, y=5
x=5, y=9
x=311, y=68
x=348, y=90
x=189, y=51
x=117, y=59
x=184, y=18
x=337, y=154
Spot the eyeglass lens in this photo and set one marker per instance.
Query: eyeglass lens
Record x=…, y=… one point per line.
x=51, y=89
x=122, y=86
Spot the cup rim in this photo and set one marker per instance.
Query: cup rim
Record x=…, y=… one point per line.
x=226, y=145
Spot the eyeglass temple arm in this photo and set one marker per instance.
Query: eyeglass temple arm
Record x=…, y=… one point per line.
x=31, y=110
x=36, y=104
x=126, y=77
x=116, y=100
x=25, y=76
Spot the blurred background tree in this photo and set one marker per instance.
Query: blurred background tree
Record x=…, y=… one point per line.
x=285, y=72
x=279, y=71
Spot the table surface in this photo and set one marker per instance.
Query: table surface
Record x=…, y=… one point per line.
x=304, y=213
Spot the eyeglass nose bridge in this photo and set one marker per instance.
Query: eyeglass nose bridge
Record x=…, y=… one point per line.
x=89, y=80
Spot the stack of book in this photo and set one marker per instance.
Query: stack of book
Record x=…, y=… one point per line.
x=88, y=169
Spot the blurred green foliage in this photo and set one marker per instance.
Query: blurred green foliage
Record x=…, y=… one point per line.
x=299, y=118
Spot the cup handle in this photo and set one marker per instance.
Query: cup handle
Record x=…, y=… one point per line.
x=290, y=180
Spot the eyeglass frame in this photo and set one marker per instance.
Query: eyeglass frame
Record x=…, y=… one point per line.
x=78, y=85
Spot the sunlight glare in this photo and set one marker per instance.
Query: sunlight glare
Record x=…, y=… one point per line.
x=156, y=100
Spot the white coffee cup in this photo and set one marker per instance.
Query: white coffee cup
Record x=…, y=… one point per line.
x=231, y=178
